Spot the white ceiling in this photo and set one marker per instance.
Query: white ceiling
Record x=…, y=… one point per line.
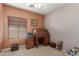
x=45, y=8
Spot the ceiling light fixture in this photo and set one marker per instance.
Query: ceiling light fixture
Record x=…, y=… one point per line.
x=35, y=5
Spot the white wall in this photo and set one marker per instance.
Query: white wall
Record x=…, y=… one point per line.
x=63, y=24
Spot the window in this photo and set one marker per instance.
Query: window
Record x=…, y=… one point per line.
x=13, y=32
x=22, y=33
x=17, y=28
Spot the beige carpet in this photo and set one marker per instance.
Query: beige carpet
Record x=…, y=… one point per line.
x=40, y=51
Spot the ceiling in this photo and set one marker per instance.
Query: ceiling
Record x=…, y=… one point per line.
x=45, y=8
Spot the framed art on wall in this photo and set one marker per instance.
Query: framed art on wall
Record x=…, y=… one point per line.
x=34, y=22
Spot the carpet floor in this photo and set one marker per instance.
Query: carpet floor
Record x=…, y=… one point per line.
x=40, y=51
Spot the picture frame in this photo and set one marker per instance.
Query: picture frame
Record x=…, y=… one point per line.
x=34, y=22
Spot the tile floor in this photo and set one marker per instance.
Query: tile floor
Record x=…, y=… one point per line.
x=40, y=51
